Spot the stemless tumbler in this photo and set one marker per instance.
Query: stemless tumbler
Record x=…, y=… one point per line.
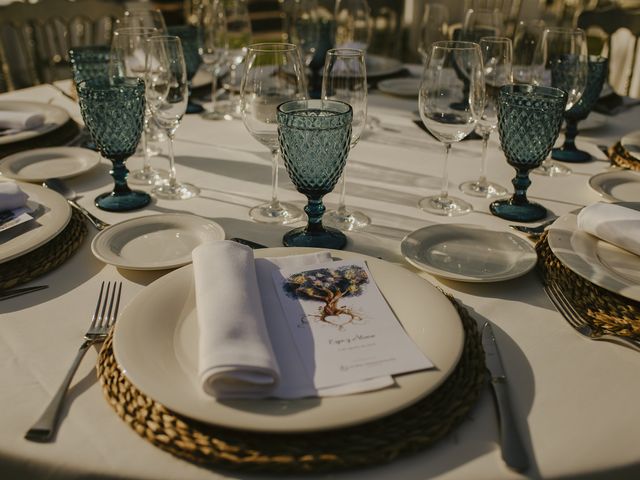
x=314, y=138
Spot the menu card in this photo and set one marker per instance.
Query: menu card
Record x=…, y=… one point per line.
x=342, y=327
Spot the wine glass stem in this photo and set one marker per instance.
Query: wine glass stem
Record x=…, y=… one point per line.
x=444, y=190
x=275, y=203
x=172, y=161
x=146, y=166
x=483, y=164
x=342, y=207
x=214, y=87
x=570, y=135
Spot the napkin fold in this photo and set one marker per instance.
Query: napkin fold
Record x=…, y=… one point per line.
x=10, y=119
x=246, y=349
x=613, y=223
x=11, y=196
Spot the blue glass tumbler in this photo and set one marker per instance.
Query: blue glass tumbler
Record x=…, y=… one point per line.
x=529, y=120
x=597, y=73
x=190, y=38
x=113, y=111
x=314, y=137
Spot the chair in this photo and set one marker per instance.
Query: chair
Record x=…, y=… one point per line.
x=614, y=32
x=35, y=37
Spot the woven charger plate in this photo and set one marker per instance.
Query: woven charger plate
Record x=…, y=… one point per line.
x=383, y=440
x=607, y=312
x=619, y=156
x=46, y=257
x=60, y=136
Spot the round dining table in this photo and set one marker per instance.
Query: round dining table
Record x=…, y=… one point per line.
x=575, y=401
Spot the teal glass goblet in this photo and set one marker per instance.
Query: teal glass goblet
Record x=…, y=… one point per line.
x=596, y=75
x=529, y=120
x=314, y=137
x=89, y=62
x=190, y=38
x=113, y=111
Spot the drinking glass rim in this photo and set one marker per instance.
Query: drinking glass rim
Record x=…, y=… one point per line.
x=571, y=30
x=455, y=45
x=103, y=85
x=317, y=101
x=158, y=38
x=495, y=38
x=350, y=52
x=272, y=47
x=550, y=92
x=135, y=30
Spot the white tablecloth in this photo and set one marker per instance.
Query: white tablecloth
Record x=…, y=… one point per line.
x=576, y=401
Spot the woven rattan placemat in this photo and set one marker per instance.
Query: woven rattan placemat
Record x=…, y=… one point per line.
x=619, y=156
x=410, y=430
x=46, y=257
x=59, y=136
x=607, y=312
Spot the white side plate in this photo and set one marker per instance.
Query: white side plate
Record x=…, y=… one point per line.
x=51, y=214
x=155, y=342
x=42, y=163
x=155, y=242
x=468, y=253
x=54, y=117
x=601, y=263
x=617, y=185
x=402, y=87
x=378, y=66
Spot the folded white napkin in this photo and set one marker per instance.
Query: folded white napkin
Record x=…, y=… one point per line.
x=246, y=347
x=612, y=223
x=11, y=196
x=20, y=120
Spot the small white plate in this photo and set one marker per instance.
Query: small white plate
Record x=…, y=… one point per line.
x=51, y=213
x=156, y=242
x=631, y=143
x=468, y=253
x=379, y=66
x=54, y=117
x=42, y=163
x=600, y=262
x=156, y=343
x=617, y=185
x=402, y=87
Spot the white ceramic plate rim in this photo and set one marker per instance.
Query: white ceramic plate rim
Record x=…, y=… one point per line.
x=51, y=223
x=87, y=159
x=402, y=87
x=207, y=230
x=578, y=251
x=146, y=348
x=526, y=262
x=631, y=139
x=54, y=118
x=379, y=66
x=597, y=182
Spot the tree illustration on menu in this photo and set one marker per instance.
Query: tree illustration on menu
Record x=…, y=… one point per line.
x=329, y=285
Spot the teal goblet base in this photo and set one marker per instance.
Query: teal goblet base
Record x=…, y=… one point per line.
x=325, y=238
x=114, y=202
x=510, y=210
x=570, y=155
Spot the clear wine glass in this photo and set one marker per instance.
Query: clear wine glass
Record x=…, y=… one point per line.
x=480, y=23
x=239, y=35
x=561, y=61
x=344, y=78
x=303, y=27
x=141, y=16
x=167, y=96
x=127, y=59
x=450, y=101
x=273, y=75
x=353, y=24
x=526, y=39
x=213, y=47
x=497, y=56
x=433, y=28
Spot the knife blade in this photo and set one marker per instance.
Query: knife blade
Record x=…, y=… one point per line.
x=4, y=295
x=513, y=451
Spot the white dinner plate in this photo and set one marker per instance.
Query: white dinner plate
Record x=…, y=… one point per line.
x=600, y=262
x=54, y=117
x=468, y=253
x=51, y=214
x=42, y=163
x=402, y=87
x=155, y=342
x=617, y=185
x=378, y=66
x=631, y=143
x=154, y=242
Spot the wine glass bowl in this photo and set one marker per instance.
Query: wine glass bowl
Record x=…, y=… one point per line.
x=113, y=111
x=314, y=137
x=434, y=27
x=597, y=73
x=529, y=120
x=190, y=39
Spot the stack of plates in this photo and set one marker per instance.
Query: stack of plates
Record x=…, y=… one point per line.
x=626, y=152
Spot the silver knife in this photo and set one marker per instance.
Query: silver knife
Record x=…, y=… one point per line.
x=513, y=452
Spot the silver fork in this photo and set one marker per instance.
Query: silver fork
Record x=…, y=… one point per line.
x=102, y=320
x=578, y=322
